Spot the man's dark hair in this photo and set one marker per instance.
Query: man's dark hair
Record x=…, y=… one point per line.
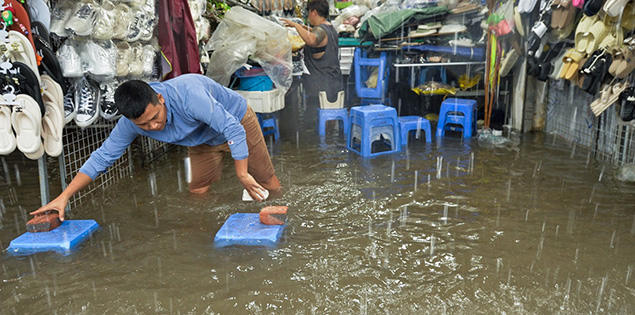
x=321, y=6
x=132, y=98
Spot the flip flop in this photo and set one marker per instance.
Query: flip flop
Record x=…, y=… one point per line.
x=7, y=138
x=52, y=128
x=51, y=87
x=23, y=23
x=26, y=122
x=20, y=51
x=40, y=30
x=618, y=57
x=50, y=65
x=40, y=13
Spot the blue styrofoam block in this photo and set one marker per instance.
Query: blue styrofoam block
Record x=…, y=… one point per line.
x=246, y=229
x=64, y=238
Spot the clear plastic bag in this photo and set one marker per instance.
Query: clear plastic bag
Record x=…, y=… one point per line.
x=244, y=35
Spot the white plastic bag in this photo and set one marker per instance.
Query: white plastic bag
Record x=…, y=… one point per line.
x=242, y=35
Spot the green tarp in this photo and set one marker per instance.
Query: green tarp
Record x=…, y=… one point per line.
x=385, y=23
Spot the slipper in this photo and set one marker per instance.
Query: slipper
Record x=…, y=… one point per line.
x=578, y=3
x=613, y=39
x=614, y=7
x=594, y=70
x=627, y=104
x=7, y=138
x=571, y=64
x=20, y=50
x=597, y=32
x=26, y=122
x=508, y=62
x=592, y=7
x=556, y=14
x=568, y=15
x=41, y=30
x=618, y=57
x=52, y=128
x=613, y=94
x=582, y=31
x=628, y=17
x=627, y=65
x=50, y=65
x=556, y=65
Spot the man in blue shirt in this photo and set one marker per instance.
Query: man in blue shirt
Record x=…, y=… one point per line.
x=190, y=110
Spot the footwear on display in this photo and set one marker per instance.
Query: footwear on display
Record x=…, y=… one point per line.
x=134, y=28
x=120, y=28
x=104, y=25
x=60, y=14
x=100, y=58
x=69, y=60
x=70, y=106
x=108, y=109
x=82, y=21
x=149, y=56
x=87, y=96
x=124, y=58
x=136, y=64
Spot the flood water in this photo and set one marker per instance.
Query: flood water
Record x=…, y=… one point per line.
x=530, y=228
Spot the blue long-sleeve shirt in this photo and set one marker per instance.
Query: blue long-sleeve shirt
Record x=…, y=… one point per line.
x=199, y=111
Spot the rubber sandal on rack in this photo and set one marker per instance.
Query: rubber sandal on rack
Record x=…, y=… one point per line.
x=7, y=138
x=26, y=122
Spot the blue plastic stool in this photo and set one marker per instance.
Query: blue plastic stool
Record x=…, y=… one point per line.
x=456, y=111
x=325, y=115
x=362, y=73
x=369, y=123
x=409, y=123
x=423, y=74
x=63, y=239
x=246, y=229
x=270, y=122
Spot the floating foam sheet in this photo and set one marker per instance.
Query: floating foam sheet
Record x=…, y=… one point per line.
x=62, y=239
x=246, y=229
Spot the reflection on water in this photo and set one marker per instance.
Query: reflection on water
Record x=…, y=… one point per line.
x=454, y=227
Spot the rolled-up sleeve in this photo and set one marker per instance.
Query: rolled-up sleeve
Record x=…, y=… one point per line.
x=112, y=149
x=202, y=106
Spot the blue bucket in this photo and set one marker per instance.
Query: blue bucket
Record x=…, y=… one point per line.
x=255, y=83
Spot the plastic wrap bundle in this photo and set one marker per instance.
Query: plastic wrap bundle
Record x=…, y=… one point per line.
x=242, y=35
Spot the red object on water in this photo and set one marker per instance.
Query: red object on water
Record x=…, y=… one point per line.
x=273, y=215
x=44, y=222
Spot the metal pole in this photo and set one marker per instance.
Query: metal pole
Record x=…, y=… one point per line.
x=44, y=184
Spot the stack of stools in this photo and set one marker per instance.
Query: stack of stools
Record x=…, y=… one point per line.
x=457, y=115
x=371, y=123
x=416, y=123
x=363, y=70
x=269, y=125
x=331, y=111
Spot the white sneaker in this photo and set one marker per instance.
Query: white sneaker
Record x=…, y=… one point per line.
x=124, y=58
x=136, y=64
x=59, y=16
x=120, y=28
x=83, y=19
x=69, y=59
x=87, y=97
x=149, y=58
x=104, y=25
x=100, y=58
x=147, y=27
x=135, y=27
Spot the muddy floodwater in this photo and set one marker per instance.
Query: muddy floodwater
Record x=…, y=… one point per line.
x=456, y=227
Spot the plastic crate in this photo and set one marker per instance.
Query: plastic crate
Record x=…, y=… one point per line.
x=264, y=101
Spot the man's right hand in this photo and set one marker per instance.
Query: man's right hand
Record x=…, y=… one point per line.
x=58, y=204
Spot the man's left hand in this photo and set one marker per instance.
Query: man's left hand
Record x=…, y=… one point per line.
x=254, y=189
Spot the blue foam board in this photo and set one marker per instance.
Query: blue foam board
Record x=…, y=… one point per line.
x=64, y=238
x=246, y=229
